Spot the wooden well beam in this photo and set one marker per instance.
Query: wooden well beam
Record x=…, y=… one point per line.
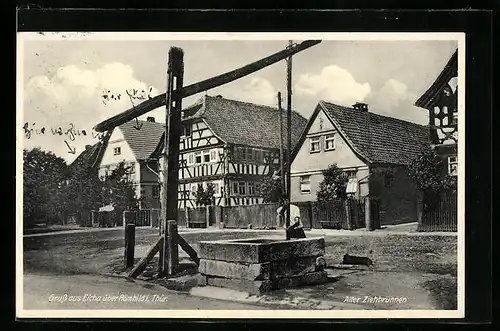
x=204, y=85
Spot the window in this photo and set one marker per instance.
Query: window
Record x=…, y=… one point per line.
x=194, y=187
x=241, y=188
x=305, y=184
x=197, y=156
x=314, y=144
x=352, y=182
x=455, y=117
x=117, y=150
x=186, y=130
x=156, y=191
x=190, y=158
x=206, y=157
x=243, y=153
x=235, y=188
x=260, y=156
x=132, y=168
x=452, y=165
x=216, y=188
x=329, y=142
x=251, y=188
x=213, y=155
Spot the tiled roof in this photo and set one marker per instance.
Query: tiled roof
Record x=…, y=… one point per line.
x=144, y=141
x=449, y=71
x=238, y=122
x=89, y=158
x=377, y=138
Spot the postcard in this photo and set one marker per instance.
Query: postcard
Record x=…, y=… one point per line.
x=240, y=175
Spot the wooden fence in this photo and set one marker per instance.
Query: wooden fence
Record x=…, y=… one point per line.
x=331, y=215
x=441, y=217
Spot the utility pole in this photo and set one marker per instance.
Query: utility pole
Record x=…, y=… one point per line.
x=282, y=168
x=289, y=135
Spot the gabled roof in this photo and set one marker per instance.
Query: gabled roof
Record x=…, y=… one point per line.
x=375, y=138
x=243, y=123
x=90, y=158
x=144, y=141
x=449, y=71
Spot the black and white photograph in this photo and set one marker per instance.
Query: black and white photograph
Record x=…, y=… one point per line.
x=251, y=175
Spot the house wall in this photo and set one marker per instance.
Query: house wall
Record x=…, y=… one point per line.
x=317, y=177
x=397, y=194
x=110, y=160
x=149, y=185
x=307, y=163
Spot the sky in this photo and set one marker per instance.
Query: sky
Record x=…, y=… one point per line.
x=63, y=81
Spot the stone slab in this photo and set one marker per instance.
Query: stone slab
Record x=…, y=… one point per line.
x=293, y=267
x=253, y=271
x=260, y=250
x=312, y=278
x=251, y=286
x=261, y=286
x=259, y=271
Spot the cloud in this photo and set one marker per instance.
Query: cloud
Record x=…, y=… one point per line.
x=333, y=84
x=75, y=96
x=337, y=85
x=259, y=91
x=394, y=99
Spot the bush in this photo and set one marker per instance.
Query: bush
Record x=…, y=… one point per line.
x=333, y=185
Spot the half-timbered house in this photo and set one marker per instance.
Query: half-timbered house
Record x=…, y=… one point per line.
x=440, y=100
x=231, y=144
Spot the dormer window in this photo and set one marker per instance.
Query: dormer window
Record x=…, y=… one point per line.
x=117, y=151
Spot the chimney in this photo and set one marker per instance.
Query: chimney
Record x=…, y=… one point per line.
x=151, y=119
x=218, y=96
x=87, y=146
x=360, y=106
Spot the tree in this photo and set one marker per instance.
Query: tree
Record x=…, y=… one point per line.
x=44, y=177
x=119, y=188
x=270, y=189
x=205, y=197
x=210, y=194
x=333, y=185
x=430, y=173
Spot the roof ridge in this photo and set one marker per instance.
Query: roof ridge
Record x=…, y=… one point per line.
x=250, y=103
x=373, y=114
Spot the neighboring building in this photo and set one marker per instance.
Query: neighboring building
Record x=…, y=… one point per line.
x=133, y=142
x=374, y=150
x=441, y=102
x=229, y=143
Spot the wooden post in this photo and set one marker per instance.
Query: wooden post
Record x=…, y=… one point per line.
x=124, y=219
x=186, y=211
x=420, y=209
x=289, y=137
x=175, y=74
x=136, y=271
x=207, y=216
x=171, y=254
x=348, y=214
x=129, y=245
x=161, y=229
x=368, y=214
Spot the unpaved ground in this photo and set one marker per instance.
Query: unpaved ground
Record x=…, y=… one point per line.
x=421, y=269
